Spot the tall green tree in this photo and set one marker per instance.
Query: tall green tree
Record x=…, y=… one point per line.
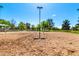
x=5, y=23
x=44, y=25
x=2, y=21
x=38, y=27
x=13, y=22
x=47, y=25
x=77, y=25
x=50, y=23
x=66, y=25
x=33, y=28
x=28, y=26
x=22, y=26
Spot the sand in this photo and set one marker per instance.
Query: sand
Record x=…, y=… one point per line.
x=23, y=43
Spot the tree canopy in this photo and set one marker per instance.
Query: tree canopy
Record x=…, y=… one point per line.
x=66, y=25
x=22, y=26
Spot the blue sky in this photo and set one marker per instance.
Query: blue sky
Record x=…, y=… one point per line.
x=28, y=12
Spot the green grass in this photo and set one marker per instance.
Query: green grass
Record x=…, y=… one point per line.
x=68, y=31
x=77, y=32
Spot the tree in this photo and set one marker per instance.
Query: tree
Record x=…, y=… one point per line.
x=66, y=25
x=22, y=26
x=47, y=25
x=74, y=28
x=5, y=25
x=44, y=25
x=33, y=28
x=38, y=27
x=13, y=24
x=77, y=23
x=2, y=21
x=77, y=26
x=50, y=24
x=55, y=28
x=28, y=26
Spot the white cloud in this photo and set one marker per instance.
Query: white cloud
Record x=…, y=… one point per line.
x=54, y=15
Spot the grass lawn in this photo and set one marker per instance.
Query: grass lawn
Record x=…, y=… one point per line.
x=68, y=31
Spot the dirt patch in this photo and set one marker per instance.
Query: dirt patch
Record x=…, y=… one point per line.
x=54, y=44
